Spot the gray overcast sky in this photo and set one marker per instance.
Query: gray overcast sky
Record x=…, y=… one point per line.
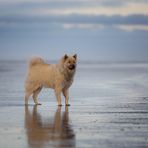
x=95, y=30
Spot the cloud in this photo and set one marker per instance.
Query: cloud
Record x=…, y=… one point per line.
x=130, y=28
x=79, y=19
x=68, y=7
x=100, y=2
x=70, y=14
x=127, y=28
x=129, y=9
x=83, y=26
x=91, y=22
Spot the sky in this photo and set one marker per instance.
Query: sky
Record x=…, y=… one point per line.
x=100, y=30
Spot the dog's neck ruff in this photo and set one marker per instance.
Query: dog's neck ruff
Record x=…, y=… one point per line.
x=67, y=74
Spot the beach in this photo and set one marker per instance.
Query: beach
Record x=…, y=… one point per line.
x=109, y=108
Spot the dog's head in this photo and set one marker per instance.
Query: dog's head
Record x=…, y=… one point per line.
x=70, y=62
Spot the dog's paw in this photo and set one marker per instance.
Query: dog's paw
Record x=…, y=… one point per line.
x=59, y=104
x=38, y=104
x=67, y=104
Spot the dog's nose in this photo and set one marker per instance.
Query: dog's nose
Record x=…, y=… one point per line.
x=72, y=66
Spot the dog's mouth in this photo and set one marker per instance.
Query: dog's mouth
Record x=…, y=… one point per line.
x=71, y=67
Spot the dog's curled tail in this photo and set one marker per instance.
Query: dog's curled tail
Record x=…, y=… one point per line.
x=35, y=61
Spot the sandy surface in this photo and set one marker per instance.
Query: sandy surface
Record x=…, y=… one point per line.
x=109, y=109
x=104, y=124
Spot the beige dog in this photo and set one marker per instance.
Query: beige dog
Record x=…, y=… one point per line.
x=57, y=76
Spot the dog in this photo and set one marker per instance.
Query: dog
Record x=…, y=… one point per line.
x=56, y=76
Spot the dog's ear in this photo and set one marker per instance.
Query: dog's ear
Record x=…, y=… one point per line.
x=75, y=56
x=65, y=56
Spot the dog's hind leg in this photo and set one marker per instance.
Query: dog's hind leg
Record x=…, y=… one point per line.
x=58, y=95
x=35, y=95
x=27, y=95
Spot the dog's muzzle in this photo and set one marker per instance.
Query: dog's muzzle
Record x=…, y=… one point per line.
x=71, y=67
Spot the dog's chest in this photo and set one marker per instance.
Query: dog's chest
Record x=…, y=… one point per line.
x=66, y=84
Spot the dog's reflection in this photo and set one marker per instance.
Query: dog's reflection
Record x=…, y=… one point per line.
x=55, y=131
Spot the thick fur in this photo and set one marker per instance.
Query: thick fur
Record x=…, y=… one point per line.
x=56, y=76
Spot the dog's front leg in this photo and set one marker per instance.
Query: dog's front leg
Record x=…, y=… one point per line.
x=66, y=95
x=58, y=91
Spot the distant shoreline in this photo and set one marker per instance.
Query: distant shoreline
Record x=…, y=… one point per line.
x=82, y=61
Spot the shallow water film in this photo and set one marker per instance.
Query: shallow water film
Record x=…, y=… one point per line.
x=109, y=108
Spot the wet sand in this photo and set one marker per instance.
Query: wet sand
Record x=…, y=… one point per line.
x=101, y=124
x=109, y=109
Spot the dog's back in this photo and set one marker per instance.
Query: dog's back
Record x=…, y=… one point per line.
x=40, y=74
x=35, y=61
